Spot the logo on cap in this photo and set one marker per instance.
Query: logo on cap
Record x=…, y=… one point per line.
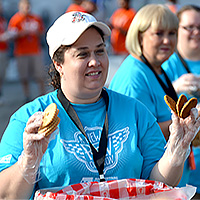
x=78, y=17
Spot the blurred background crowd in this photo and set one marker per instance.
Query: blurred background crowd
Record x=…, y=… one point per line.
x=49, y=10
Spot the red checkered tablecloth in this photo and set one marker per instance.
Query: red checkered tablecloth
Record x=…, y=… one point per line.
x=117, y=189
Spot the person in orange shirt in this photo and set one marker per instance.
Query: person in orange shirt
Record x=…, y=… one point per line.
x=28, y=29
x=4, y=59
x=173, y=5
x=86, y=6
x=119, y=23
x=76, y=6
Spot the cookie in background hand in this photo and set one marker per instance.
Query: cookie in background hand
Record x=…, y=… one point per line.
x=180, y=103
x=171, y=103
x=185, y=111
x=182, y=107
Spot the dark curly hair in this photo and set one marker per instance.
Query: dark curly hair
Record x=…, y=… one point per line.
x=59, y=58
x=53, y=73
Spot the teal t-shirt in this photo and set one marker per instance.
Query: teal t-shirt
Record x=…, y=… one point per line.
x=135, y=141
x=135, y=79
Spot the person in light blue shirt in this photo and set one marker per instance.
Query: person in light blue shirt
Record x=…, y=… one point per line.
x=74, y=162
x=151, y=40
x=135, y=79
x=183, y=68
x=185, y=82
x=102, y=135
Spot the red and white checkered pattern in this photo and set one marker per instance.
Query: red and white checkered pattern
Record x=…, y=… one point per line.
x=115, y=189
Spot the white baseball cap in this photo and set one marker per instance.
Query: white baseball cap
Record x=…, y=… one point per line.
x=69, y=27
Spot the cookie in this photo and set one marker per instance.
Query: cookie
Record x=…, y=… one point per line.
x=185, y=111
x=49, y=115
x=171, y=103
x=50, y=120
x=51, y=128
x=180, y=103
x=182, y=109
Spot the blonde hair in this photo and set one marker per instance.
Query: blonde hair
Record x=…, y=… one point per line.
x=155, y=15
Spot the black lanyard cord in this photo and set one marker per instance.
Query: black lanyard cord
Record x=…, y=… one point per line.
x=168, y=90
x=98, y=156
x=183, y=62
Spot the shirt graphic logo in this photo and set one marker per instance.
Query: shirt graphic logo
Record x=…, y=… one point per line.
x=6, y=159
x=81, y=148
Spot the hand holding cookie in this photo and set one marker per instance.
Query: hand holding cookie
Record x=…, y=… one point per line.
x=35, y=145
x=182, y=109
x=185, y=125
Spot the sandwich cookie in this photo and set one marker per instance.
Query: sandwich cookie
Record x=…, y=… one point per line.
x=50, y=120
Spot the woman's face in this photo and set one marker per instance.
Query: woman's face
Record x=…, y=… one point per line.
x=85, y=67
x=158, y=45
x=189, y=31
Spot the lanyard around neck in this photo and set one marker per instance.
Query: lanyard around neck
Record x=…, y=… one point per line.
x=98, y=156
x=183, y=62
x=168, y=90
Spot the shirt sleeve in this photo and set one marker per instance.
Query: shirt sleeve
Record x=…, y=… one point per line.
x=151, y=141
x=11, y=144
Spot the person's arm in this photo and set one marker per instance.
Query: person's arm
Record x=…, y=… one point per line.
x=13, y=185
x=164, y=171
x=164, y=126
x=8, y=35
x=182, y=131
x=17, y=181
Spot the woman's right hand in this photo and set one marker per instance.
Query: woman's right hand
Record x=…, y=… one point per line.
x=35, y=146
